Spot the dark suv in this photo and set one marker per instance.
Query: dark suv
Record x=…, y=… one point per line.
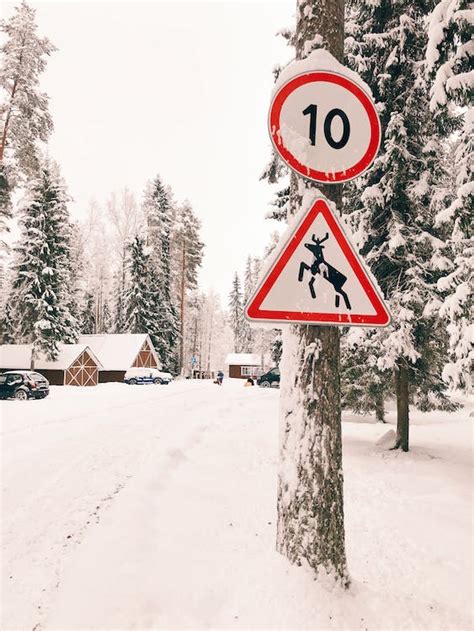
x=269, y=379
x=22, y=385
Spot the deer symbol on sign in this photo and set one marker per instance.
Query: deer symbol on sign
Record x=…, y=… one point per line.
x=328, y=272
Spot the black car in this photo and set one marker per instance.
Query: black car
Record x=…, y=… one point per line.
x=23, y=385
x=270, y=379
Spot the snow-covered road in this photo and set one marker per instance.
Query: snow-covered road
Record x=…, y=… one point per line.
x=154, y=507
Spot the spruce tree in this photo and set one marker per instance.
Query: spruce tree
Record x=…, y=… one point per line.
x=106, y=318
x=364, y=386
x=25, y=115
x=248, y=335
x=236, y=315
x=449, y=68
x=42, y=270
x=160, y=217
x=119, y=289
x=188, y=253
x=138, y=298
x=386, y=46
x=87, y=321
x=7, y=325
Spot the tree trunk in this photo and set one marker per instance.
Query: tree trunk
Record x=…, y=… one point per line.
x=182, y=292
x=379, y=408
x=310, y=487
x=403, y=421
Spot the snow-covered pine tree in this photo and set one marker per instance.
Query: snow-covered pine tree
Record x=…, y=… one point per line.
x=160, y=222
x=138, y=298
x=275, y=171
x=276, y=347
x=25, y=115
x=449, y=66
x=106, y=326
x=7, y=325
x=41, y=287
x=248, y=335
x=310, y=486
x=125, y=223
x=188, y=253
x=364, y=386
x=386, y=46
x=236, y=314
x=5, y=209
x=119, y=289
x=87, y=320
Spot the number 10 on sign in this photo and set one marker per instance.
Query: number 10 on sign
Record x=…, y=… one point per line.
x=324, y=126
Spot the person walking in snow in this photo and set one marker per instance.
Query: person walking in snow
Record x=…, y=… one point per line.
x=220, y=377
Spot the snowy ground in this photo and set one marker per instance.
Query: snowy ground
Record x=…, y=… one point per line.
x=154, y=507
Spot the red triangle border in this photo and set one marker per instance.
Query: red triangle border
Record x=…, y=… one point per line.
x=254, y=313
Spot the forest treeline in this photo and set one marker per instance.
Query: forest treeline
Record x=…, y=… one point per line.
x=129, y=267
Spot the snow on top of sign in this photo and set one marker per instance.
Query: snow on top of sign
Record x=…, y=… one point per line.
x=319, y=59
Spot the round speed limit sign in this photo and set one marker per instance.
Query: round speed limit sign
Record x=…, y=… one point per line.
x=324, y=126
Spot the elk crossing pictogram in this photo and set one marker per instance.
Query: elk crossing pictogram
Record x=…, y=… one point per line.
x=327, y=271
x=328, y=286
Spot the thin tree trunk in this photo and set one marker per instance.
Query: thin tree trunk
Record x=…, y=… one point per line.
x=183, y=276
x=7, y=121
x=310, y=490
x=403, y=421
x=209, y=348
x=379, y=408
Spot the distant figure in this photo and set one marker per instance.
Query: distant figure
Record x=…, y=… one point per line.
x=220, y=377
x=249, y=382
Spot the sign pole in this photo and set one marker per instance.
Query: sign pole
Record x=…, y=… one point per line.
x=310, y=491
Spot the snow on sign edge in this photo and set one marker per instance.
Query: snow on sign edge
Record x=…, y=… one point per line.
x=309, y=202
x=321, y=60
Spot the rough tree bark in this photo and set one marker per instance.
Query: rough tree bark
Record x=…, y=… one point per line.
x=310, y=488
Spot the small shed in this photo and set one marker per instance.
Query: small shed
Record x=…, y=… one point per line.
x=76, y=364
x=243, y=365
x=120, y=351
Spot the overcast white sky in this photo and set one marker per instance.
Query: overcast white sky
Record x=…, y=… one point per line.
x=176, y=88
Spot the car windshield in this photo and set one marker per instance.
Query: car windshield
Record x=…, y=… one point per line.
x=35, y=375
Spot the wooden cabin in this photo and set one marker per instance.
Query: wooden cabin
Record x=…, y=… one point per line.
x=76, y=364
x=243, y=365
x=120, y=351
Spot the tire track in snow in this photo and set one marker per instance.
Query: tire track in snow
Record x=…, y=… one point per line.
x=69, y=502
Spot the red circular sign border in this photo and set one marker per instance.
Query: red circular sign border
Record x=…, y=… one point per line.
x=343, y=81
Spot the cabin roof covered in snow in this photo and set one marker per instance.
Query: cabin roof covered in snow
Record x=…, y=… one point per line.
x=243, y=359
x=18, y=357
x=118, y=351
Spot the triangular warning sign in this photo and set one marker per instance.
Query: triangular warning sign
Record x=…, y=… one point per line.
x=317, y=278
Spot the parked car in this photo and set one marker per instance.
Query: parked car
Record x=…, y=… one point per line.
x=270, y=379
x=136, y=376
x=23, y=385
x=166, y=377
